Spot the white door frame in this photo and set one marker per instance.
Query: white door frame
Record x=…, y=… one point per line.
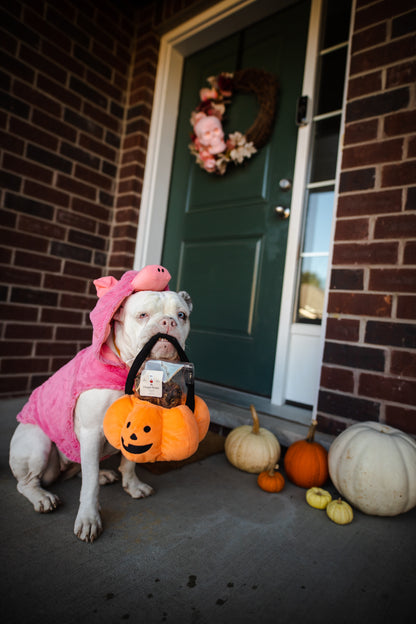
x=210, y=26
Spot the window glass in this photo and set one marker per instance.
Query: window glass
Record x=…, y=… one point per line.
x=318, y=221
x=325, y=149
x=314, y=263
x=337, y=22
x=331, y=88
x=312, y=289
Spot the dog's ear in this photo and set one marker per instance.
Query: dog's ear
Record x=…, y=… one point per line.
x=119, y=314
x=187, y=298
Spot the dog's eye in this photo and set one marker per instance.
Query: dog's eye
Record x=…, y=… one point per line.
x=128, y=425
x=182, y=316
x=146, y=429
x=143, y=315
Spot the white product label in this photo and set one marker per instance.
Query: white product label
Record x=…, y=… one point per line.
x=151, y=383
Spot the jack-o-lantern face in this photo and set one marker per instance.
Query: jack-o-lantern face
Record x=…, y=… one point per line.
x=142, y=433
x=145, y=432
x=137, y=449
x=134, y=427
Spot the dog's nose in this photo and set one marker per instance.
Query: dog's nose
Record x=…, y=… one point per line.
x=168, y=323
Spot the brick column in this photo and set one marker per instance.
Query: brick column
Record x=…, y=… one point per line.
x=64, y=79
x=369, y=360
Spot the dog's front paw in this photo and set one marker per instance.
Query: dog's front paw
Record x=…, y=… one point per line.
x=88, y=526
x=137, y=489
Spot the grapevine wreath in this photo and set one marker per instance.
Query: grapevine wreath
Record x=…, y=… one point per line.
x=212, y=150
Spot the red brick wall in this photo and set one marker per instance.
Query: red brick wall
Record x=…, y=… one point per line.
x=151, y=19
x=369, y=358
x=134, y=142
x=65, y=71
x=76, y=91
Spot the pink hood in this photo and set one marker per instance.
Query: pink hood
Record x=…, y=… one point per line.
x=111, y=294
x=51, y=406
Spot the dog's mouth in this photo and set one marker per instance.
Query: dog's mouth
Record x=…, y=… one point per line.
x=164, y=349
x=135, y=448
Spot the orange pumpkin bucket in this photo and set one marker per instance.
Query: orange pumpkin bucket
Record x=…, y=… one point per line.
x=147, y=432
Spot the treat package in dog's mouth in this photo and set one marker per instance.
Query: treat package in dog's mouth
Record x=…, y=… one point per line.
x=164, y=383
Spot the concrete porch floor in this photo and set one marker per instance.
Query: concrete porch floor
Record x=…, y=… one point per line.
x=209, y=547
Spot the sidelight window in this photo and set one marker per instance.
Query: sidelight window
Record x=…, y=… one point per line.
x=314, y=256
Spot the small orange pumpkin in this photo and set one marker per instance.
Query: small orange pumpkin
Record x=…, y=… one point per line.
x=270, y=480
x=145, y=432
x=306, y=461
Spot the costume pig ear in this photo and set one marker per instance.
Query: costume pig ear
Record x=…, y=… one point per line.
x=104, y=284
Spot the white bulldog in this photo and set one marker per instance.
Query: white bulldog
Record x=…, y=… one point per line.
x=38, y=455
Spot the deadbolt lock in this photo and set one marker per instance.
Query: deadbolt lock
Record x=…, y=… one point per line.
x=285, y=184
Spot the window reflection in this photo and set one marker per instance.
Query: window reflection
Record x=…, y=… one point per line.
x=314, y=257
x=318, y=221
x=312, y=289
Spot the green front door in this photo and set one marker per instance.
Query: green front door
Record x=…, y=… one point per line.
x=224, y=242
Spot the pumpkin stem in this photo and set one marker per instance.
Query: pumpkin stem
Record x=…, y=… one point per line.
x=311, y=433
x=255, y=418
x=272, y=470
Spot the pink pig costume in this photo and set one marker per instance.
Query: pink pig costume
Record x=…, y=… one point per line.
x=51, y=406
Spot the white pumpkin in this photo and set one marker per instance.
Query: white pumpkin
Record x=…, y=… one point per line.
x=374, y=467
x=252, y=448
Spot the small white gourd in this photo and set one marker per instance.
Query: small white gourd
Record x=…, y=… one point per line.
x=252, y=448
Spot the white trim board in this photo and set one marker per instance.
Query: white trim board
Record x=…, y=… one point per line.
x=296, y=214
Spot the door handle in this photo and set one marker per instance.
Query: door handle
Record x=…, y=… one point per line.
x=282, y=212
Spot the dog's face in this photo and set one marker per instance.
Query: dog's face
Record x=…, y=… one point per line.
x=147, y=313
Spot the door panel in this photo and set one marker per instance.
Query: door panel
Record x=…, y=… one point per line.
x=236, y=257
x=223, y=240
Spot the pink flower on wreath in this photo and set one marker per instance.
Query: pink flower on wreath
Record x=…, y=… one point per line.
x=225, y=84
x=230, y=144
x=209, y=165
x=208, y=94
x=208, y=161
